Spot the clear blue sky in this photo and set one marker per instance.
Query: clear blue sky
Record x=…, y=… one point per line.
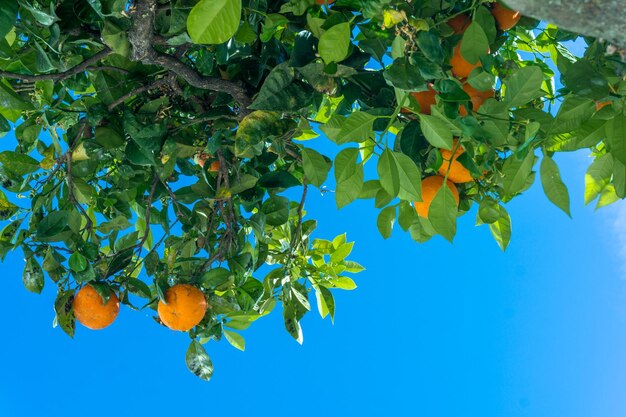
x=433, y=330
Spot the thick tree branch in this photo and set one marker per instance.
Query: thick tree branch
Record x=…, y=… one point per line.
x=142, y=36
x=604, y=19
x=82, y=67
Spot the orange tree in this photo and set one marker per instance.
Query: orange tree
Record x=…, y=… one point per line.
x=155, y=140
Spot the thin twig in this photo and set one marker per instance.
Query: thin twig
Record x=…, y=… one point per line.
x=82, y=67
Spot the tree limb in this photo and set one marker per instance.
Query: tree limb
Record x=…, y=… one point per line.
x=605, y=19
x=142, y=36
x=82, y=67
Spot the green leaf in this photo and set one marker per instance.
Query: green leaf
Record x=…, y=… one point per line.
x=343, y=283
x=388, y=173
x=77, y=262
x=276, y=210
x=358, y=127
x=598, y=176
x=523, y=86
x=516, y=172
x=334, y=44
x=52, y=224
x=407, y=216
x=33, y=275
x=410, y=178
x=553, y=186
x=436, y=131
x=281, y=93
x=619, y=178
x=325, y=302
x=501, y=229
x=198, y=362
x=348, y=176
x=442, y=213
x=8, y=16
x=215, y=278
x=474, y=44
x=316, y=166
x=616, y=137
x=386, y=219
x=292, y=324
x=214, y=21
x=64, y=309
x=235, y=339
x=18, y=163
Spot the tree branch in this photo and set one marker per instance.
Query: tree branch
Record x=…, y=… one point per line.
x=82, y=67
x=155, y=84
x=142, y=36
x=605, y=19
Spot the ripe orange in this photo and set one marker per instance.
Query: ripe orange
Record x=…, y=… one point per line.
x=91, y=312
x=185, y=307
x=459, y=23
x=477, y=97
x=460, y=67
x=602, y=104
x=425, y=99
x=458, y=173
x=505, y=17
x=430, y=187
x=201, y=158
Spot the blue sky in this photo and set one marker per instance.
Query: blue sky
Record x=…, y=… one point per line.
x=434, y=330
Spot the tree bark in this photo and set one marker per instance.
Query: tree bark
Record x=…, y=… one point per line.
x=605, y=19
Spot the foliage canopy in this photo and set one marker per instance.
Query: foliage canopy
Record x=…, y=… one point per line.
x=156, y=140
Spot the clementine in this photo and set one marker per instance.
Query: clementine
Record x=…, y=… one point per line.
x=461, y=68
x=457, y=173
x=184, y=308
x=505, y=17
x=477, y=97
x=91, y=311
x=459, y=23
x=430, y=187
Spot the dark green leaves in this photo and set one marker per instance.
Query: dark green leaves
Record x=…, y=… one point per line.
x=276, y=210
x=53, y=224
x=281, y=93
x=18, y=163
x=198, y=361
x=348, y=176
x=8, y=16
x=553, y=186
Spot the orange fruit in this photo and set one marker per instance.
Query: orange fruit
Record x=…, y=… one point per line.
x=505, y=17
x=91, y=312
x=460, y=67
x=424, y=98
x=430, y=187
x=458, y=174
x=602, y=104
x=201, y=158
x=459, y=23
x=214, y=167
x=185, y=307
x=477, y=97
